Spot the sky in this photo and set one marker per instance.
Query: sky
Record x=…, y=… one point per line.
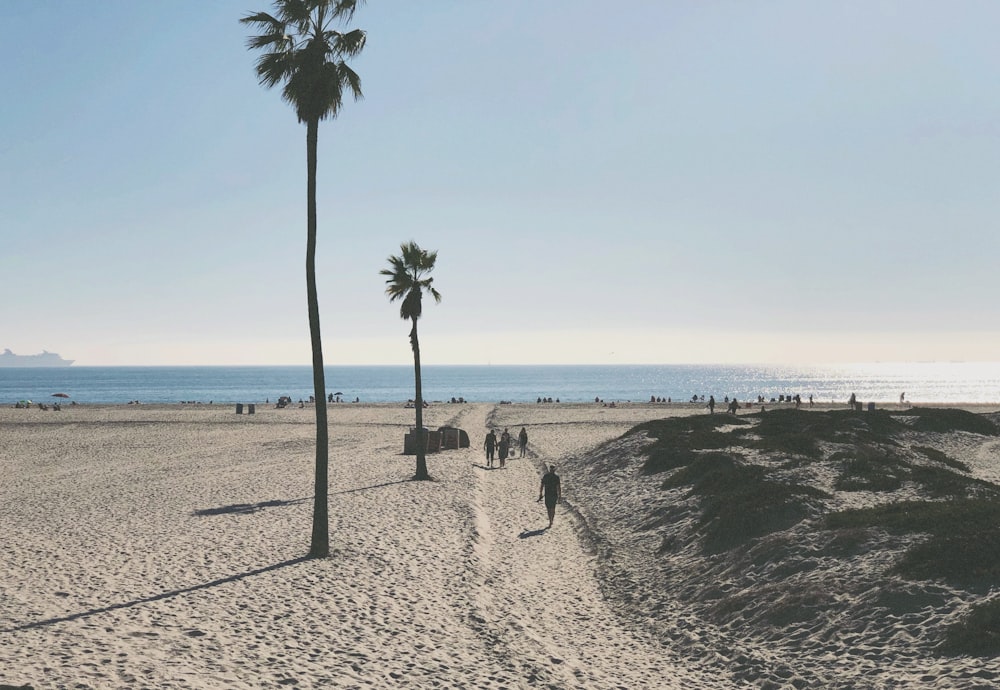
x=647, y=181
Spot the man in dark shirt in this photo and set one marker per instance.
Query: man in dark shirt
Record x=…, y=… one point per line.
x=552, y=490
x=490, y=445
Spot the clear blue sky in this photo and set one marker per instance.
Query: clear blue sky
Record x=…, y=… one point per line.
x=644, y=181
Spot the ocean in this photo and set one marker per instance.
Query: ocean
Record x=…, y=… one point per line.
x=922, y=382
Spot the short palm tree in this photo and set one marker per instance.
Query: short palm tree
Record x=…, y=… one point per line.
x=407, y=280
x=304, y=52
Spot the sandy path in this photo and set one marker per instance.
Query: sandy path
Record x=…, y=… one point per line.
x=540, y=601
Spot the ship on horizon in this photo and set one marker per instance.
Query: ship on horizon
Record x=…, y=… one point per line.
x=42, y=359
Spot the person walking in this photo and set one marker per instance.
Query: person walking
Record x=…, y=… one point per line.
x=504, y=447
x=551, y=489
x=522, y=440
x=490, y=445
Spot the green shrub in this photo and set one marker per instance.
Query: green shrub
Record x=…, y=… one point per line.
x=799, y=432
x=676, y=438
x=937, y=456
x=963, y=546
x=867, y=468
x=948, y=420
x=739, y=504
x=663, y=457
x=939, y=482
x=700, y=469
x=977, y=635
x=969, y=559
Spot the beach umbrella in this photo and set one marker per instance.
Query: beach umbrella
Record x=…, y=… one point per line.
x=60, y=395
x=338, y=393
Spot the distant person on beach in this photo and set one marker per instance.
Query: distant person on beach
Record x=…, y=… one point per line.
x=504, y=447
x=490, y=445
x=522, y=440
x=852, y=401
x=734, y=406
x=902, y=398
x=551, y=488
x=711, y=404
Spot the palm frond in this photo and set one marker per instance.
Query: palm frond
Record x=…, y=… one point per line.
x=267, y=40
x=264, y=22
x=273, y=68
x=346, y=45
x=298, y=13
x=344, y=10
x=350, y=78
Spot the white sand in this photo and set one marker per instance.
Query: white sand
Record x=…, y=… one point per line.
x=161, y=547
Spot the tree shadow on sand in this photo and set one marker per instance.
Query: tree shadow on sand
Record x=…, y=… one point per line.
x=156, y=597
x=246, y=508
x=374, y=486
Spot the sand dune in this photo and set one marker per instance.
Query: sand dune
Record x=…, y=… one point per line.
x=161, y=546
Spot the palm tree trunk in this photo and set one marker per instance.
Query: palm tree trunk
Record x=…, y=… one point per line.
x=320, y=545
x=421, y=436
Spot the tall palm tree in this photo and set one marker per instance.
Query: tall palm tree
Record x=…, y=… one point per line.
x=307, y=55
x=408, y=279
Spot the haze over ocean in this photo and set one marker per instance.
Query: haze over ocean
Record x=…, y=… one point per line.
x=923, y=383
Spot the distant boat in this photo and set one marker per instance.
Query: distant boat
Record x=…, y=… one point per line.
x=43, y=359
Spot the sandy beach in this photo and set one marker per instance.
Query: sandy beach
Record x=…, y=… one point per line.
x=162, y=547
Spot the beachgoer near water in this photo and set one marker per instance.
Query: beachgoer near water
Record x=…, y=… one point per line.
x=551, y=488
x=490, y=445
x=711, y=404
x=522, y=440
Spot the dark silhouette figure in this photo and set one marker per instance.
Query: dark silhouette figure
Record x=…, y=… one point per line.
x=551, y=489
x=504, y=449
x=490, y=444
x=522, y=440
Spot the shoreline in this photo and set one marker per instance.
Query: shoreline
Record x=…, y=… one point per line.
x=882, y=383
x=673, y=407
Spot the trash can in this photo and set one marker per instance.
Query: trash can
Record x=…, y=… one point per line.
x=239, y=408
x=871, y=407
x=251, y=408
x=449, y=437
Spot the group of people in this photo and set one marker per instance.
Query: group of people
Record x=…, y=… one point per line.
x=733, y=406
x=41, y=406
x=498, y=449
